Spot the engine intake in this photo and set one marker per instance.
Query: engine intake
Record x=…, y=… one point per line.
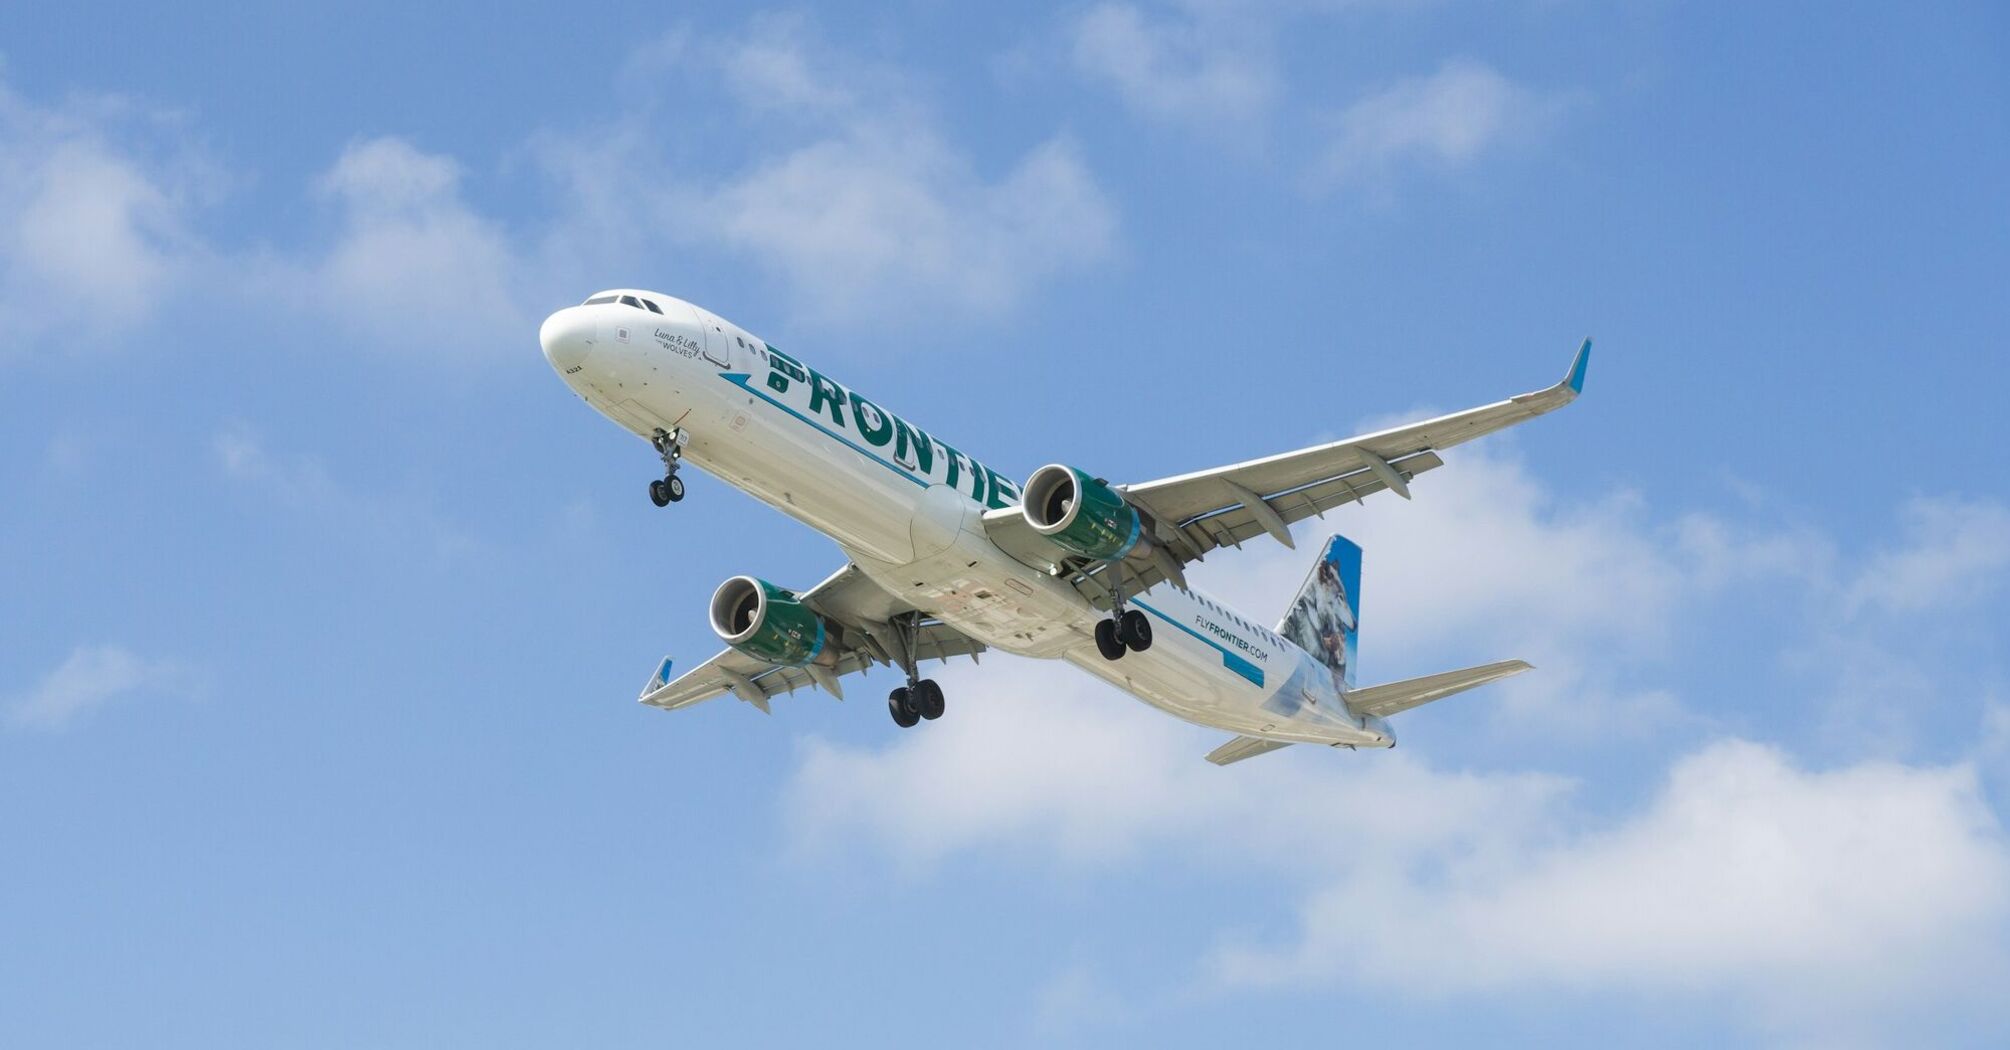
x=770, y=623
x=1081, y=515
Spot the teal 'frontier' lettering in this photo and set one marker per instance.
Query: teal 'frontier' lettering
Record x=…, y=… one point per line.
x=822, y=391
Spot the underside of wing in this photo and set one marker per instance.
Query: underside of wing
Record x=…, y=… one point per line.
x=870, y=626
x=1221, y=507
x=1192, y=514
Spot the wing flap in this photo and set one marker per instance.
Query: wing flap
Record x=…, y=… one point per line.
x=1385, y=700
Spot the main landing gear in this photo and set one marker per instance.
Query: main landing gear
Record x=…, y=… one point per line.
x=669, y=488
x=910, y=704
x=920, y=698
x=1126, y=630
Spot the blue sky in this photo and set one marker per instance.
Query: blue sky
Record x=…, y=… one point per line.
x=325, y=603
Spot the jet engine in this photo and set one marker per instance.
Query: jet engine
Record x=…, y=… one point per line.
x=770, y=623
x=1081, y=514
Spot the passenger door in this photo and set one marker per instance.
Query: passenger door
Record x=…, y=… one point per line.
x=718, y=338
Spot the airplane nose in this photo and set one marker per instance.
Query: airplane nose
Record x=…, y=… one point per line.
x=567, y=337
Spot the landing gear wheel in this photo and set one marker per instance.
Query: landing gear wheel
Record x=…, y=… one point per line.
x=902, y=709
x=1107, y=641
x=927, y=699
x=669, y=447
x=1135, y=631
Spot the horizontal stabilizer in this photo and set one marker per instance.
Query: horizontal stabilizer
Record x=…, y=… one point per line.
x=1244, y=747
x=1384, y=700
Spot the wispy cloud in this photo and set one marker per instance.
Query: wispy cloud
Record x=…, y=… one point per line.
x=1955, y=551
x=852, y=195
x=867, y=204
x=1200, y=67
x=96, y=202
x=1437, y=122
x=412, y=264
x=91, y=677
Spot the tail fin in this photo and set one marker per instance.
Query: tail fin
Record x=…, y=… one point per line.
x=1326, y=616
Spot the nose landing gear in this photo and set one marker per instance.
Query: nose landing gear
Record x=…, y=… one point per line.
x=669, y=488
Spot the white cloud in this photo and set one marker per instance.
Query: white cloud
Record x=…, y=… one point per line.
x=1805, y=897
x=777, y=65
x=93, y=231
x=1814, y=897
x=870, y=207
x=879, y=218
x=1208, y=68
x=1443, y=120
x=852, y=194
x=92, y=676
x=412, y=264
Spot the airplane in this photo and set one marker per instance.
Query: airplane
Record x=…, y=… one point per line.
x=946, y=557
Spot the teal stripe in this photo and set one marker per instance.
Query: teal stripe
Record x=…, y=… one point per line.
x=1228, y=659
x=1242, y=667
x=739, y=379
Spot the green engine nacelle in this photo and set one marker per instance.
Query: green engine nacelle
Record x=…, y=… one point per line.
x=1081, y=515
x=769, y=623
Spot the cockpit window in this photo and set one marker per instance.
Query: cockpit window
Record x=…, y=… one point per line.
x=598, y=299
x=629, y=300
x=653, y=308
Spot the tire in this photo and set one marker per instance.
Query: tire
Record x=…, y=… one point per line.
x=1107, y=641
x=674, y=486
x=903, y=712
x=1135, y=630
x=659, y=493
x=927, y=698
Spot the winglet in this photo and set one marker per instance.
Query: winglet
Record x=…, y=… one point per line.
x=656, y=680
x=1575, y=380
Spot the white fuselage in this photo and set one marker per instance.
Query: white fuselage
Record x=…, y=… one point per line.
x=907, y=509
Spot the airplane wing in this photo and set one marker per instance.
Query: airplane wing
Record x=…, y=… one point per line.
x=1193, y=514
x=865, y=615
